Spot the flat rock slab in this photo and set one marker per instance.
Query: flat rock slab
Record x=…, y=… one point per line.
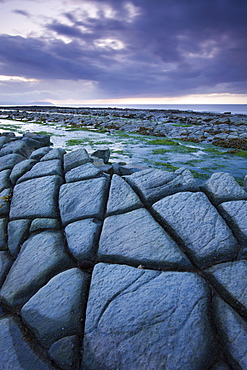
x=41, y=257
x=46, y=168
x=21, y=168
x=83, y=172
x=82, y=238
x=56, y=153
x=75, y=159
x=153, y=184
x=15, y=351
x=10, y=160
x=140, y=319
x=5, y=198
x=233, y=332
x=83, y=199
x=235, y=213
x=39, y=153
x=136, y=238
x=36, y=198
x=5, y=264
x=44, y=224
x=230, y=280
x=66, y=352
x=17, y=147
x=3, y=234
x=122, y=198
x=4, y=179
x=66, y=291
x=18, y=231
x=199, y=226
x=221, y=187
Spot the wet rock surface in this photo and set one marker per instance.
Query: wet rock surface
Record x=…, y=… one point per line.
x=142, y=269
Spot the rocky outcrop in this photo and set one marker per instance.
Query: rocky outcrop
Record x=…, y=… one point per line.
x=141, y=271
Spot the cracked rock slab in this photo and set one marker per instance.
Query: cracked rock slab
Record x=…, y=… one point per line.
x=221, y=187
x=56, y=153
x=153, y=184
x=82, y=238
x=235, y=212
x=36, y=198
x=3, y=234
x=15, y=351
x=122, y=198
x=230, y=280
x=233, y=333
x=41, y=257
x=66, y=352
x=149, y=320
x=136, y=238
x=83, y=199
x=75, y=159
x=10, y=160
x=5, y=264
x=45, y=168
x=83, y=172
x=66, y=291
x=199, y=226
x=4, y=179
x=17, y=233
x=21, y=168
x=16, y=147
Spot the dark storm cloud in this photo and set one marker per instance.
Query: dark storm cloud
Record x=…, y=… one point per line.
x=172, y=47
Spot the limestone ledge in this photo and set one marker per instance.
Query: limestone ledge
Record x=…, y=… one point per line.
x=118, y=267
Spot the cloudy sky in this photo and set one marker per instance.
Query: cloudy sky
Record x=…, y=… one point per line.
x=117, y=51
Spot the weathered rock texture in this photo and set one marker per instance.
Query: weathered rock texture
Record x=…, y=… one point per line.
x=145, y=271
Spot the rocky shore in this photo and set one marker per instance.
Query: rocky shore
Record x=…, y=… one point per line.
x=118, y=267
x=225, y=130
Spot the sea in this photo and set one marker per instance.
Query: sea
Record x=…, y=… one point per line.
x=211, y=108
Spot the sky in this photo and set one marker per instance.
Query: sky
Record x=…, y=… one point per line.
x=69, y=52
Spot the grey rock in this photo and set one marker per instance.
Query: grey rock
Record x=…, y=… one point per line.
x=18, y=231
x=229, y=279
x=233, y=332
x=39, y=153
x=153, y=184
x=245, y=183
x=5, y=198
x=20, y=168
x=75, y=159
x=83, y=172
x=83, y=199
x=221, y=187
x=68, y=291
x=5, y=264
x=10, y=160
x=149, y=320
x=4, y=179
x=82, y=238
x=235, y=212
x=128, y=169
x=32, y=144
x=220, y=365
x=15, y=352
x=44, y=223
x=66, y=352
x=56, y=153
x=17, y=147
x=199, y=226
x=3, y=234
x=36, y=198
x=46, y=168
x=41, y=257
x=121, y=197
x=102, y=153
x=136, y=238
x=3, y=140
x=43, y=139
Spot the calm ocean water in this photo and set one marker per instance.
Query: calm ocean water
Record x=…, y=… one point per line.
x=213, y=108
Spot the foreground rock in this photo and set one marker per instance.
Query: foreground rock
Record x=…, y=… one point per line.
x=146, y=304
x=131, y=269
